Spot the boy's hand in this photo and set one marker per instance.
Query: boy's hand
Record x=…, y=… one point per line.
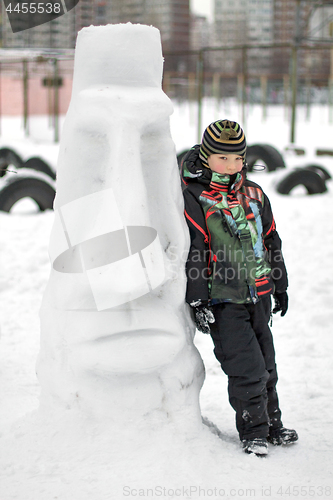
x=203, y=315
x=281, y=303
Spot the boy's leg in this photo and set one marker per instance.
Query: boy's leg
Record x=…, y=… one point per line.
x=278, y=435
x=239, y=352
x=260, y=317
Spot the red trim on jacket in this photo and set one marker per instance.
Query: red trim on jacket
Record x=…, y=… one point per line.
x=272, y=228
x=197, y=226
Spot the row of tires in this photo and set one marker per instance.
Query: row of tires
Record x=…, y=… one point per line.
x=35, y=179
x=9, y=157
x=312, y=177
x=19, y=179
x=264, y=153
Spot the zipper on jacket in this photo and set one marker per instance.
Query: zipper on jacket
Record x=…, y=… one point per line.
x=226, y=226
x=210, y=237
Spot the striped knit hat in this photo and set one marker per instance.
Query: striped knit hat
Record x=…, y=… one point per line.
x=222, y=136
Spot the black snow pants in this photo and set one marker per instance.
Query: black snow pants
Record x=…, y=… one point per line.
x=244, y=347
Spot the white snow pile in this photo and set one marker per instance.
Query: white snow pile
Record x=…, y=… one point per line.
x=116, y=337
x=123, y=421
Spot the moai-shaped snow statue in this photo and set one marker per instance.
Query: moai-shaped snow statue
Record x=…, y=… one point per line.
x=116, y=336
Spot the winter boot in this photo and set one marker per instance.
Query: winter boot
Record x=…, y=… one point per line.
x=282, y=436
x=258, y=446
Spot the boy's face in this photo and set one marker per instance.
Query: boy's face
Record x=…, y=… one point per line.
x=225, y=163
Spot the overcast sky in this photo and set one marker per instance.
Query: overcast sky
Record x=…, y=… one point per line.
x=203, y=7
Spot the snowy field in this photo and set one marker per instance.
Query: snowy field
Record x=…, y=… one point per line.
x=46, y=457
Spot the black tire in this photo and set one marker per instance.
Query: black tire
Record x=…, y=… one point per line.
x=28, y=187
x=312, y=182
x=40, y=165
x=268, y=154
x=324, y=174
x=9, y=157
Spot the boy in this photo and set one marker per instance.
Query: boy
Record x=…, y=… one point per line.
x=234, y=265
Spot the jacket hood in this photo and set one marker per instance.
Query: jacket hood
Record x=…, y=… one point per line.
x=193, y=170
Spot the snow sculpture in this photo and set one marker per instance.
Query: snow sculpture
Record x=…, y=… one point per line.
x=116, y=339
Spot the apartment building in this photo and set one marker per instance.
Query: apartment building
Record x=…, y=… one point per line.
x=313, y=25
x=200, y=32
x=60, y=33
x=171, y=17
x=320, y=30
x=242, y=22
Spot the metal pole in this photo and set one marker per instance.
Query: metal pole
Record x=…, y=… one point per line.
x=200, y=70
x=286, y=87
x=56, y=101
x=308, y=97
x=25, y=97
x=294, y=55
x=0, y=98
x=330, y=100
x=293, y=93
x=244, y=61
x=50, y=101
x=263, y=81
x=330, y=90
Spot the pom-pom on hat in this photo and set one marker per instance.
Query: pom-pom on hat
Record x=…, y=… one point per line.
x=222, y=136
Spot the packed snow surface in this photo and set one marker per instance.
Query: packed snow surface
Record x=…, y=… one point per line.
x=70, y=454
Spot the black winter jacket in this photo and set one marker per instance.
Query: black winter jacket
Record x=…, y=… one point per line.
x=235, y=253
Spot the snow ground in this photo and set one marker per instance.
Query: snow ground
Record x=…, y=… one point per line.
x=70, y=456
